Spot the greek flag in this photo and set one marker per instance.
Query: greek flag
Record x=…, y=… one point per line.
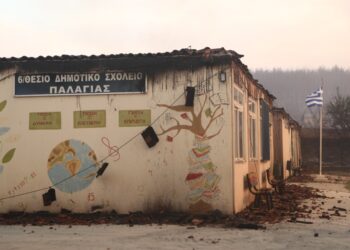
x=315, y=98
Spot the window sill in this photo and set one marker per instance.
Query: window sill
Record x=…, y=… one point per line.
x=253, y=160
x=239, y=161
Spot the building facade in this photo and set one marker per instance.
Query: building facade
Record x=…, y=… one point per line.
x=62, y=118
x=287, y=146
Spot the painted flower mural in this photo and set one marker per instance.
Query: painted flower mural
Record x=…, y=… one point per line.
x=6, y=157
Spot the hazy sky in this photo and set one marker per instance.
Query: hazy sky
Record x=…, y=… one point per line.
x=270, y=33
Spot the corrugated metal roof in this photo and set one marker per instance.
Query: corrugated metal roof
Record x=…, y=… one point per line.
x=182, y=52
x=149, y=62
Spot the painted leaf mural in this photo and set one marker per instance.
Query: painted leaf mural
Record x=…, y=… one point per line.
x=2, y=105
x=4, y=130
x=8, y=156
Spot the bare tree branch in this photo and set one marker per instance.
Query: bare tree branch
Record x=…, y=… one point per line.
x=216, y=110
x=200, y=103
x=202, y=106
x=213, y=117
x=178, y=128
x=213, y=135
x=196, y=126
x=178, y=108
x=188, y=118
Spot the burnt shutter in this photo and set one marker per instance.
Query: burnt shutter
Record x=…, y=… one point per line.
x=265, y=131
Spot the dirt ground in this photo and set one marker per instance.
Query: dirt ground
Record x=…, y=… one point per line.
x=321, y=222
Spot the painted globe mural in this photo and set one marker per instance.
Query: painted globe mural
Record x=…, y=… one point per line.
x=75, y=159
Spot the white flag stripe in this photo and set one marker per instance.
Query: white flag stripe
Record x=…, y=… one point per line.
x=314, y=94
x=313, y=102
x=315, y=98
x=318, y=92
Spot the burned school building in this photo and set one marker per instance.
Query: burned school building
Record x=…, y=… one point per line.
x=137, y=132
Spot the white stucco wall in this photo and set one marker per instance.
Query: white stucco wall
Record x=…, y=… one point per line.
x=143, y=178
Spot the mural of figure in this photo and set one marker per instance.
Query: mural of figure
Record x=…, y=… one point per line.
x=201, y=177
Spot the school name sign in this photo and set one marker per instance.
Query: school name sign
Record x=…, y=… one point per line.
x=52, y=84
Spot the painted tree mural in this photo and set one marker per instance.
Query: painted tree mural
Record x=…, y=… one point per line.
x=201, y=177
x=5, y=158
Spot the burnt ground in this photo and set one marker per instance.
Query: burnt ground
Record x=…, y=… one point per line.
x=287, y=206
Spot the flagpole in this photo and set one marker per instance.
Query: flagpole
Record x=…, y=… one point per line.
x=321, y=123
x=316, y=99
x=321, y=108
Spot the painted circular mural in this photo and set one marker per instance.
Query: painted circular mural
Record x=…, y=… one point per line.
x=69, y=158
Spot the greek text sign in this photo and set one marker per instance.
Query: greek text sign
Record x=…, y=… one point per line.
x=90, y=119
x=52, y=84
x=134, y=118
x=45, y=120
